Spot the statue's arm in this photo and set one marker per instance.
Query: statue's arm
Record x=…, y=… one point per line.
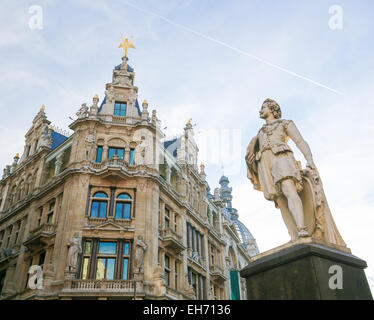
x=303, y=146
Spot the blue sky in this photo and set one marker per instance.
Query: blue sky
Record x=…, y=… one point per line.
x=195, y=59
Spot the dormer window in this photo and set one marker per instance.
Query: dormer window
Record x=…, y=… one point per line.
x=120, y=109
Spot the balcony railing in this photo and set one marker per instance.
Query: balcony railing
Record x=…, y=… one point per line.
x=46, y=228
x=196, y=257
x=100, y=285
x=172, y=240
x=217, y=273
x=41, y=235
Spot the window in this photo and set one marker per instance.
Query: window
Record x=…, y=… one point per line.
x=123, y=206
x=167, y=218
x=41, y=259
x=175, y=222
x=167, y=270
x=40, y=216
x=2, y=232
x=212, y=255
x=197, y=281
x=120, y=109
x=132, y=157
x=126, y=260
x=118, y=151
x=27, y=189
x=36, y=145
x=188, y=235
x=86, y=259
x=50, y=212
x=195, y=240
x=176, y=274
x=10, y=231
x=18, y=227
x=159, y=213
x=106, y=260
x=99, y=154
x=99, y=205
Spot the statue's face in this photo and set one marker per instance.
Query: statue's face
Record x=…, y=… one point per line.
x=265, y=111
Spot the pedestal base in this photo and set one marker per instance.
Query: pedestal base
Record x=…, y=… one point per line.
x=302, y=272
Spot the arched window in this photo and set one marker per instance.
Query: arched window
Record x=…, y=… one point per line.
x=123, y=206
x=99, y=205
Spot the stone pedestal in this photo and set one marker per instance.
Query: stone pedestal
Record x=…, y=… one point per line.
x=306, y=271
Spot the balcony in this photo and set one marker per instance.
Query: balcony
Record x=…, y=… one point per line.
x=102, y=287
x=42, y=235
x=217, y=274
x=172, y=240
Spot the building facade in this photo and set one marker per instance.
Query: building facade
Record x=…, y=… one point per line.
x=117, y=211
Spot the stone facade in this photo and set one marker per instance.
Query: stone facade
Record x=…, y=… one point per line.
x=115, y=210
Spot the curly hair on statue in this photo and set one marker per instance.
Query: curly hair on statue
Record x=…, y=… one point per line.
x=274, y=107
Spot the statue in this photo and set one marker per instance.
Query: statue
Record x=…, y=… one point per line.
x=82, y=112
x=75, y=248
x=298, y=193
x=140, y=248
x=125, y=45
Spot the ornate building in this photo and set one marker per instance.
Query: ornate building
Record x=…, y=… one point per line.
x=116, y=211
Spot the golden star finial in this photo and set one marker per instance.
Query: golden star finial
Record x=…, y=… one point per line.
x=189, y=121
x=126, y=44
x=42, y=108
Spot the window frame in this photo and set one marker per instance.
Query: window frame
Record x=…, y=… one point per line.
x=99, y=200
x=123, y=202
x=132, y=157
x=167, y=270
x=101, y=148
x=106, y=256
x=120, y=109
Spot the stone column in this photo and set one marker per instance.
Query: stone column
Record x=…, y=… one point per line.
x=105, y=153
x=127, y=155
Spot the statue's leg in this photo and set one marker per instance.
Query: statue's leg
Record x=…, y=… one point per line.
x=295, y=206
x=287, y=217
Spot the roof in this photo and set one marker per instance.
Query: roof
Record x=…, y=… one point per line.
x=172, y=146
x=57, y=138
x=129, y=68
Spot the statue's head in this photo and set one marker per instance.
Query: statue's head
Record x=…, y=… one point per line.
x=272, y=106
x=76, y=235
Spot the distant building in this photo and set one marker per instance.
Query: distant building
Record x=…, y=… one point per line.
x=115, y=211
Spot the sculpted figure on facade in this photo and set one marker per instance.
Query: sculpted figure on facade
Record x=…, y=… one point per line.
x=140, y=248
x=298, y=192
x=82, y=112
x=75, y=249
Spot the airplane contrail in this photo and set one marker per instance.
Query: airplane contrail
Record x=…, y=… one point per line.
x=178, y=25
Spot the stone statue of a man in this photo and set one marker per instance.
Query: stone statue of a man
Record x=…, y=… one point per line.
x=75, y=248
x=273, y=170
x=140, y=248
